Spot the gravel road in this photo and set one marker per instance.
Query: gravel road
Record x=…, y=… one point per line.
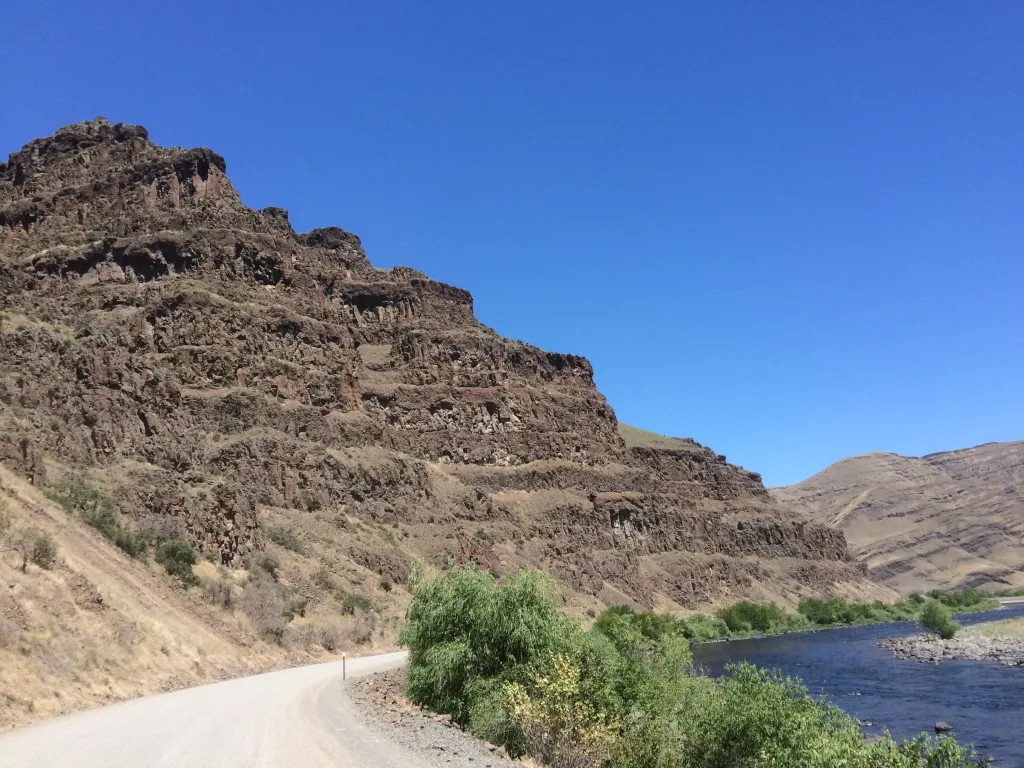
x=287, y=719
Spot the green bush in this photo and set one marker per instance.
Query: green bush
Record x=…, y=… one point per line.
x=44, y=551
x=939, y=619
x=351, y=603
x=504, y=661
x=746, y=616
x=463, y=630
x=177, y=557
x=965, y=600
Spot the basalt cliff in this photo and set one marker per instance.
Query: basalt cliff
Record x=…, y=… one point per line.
x=203, y=363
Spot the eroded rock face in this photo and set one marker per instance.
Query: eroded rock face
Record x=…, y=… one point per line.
x=213, y=362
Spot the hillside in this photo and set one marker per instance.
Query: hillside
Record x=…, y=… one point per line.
x=953, y=519
x=208, y=370
x=97, y=626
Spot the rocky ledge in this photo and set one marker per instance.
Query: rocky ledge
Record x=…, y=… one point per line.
x=1008, y=651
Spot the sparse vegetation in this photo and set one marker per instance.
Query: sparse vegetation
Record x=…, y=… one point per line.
x=265, y=562
x=160, y=528
x=218, y=592
x=1008, y=628
x=287, y=538
x=325, y=580
x=297, y=605
x=263, y=602
x=99, y=512
x=485, y=536
x=363, y=625
x=511, y=668
x=177, y=557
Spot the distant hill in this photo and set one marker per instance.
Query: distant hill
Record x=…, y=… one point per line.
x=953, y=519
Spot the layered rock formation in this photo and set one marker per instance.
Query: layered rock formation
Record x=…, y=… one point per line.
x=209, y=364
x=946, y=520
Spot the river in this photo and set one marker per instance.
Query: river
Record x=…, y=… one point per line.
x=984, y=702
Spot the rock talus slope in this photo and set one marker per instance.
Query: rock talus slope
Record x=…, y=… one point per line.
x=204, y=362
x=953, y=519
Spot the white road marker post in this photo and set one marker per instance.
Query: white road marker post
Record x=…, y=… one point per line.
x=343, y=666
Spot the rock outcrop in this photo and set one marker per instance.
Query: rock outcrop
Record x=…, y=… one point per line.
x=208, y=363
x=946, y=520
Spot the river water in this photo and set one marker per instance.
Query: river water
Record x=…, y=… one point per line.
x=984, y=702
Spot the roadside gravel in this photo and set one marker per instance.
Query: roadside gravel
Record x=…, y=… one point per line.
x=381, y=702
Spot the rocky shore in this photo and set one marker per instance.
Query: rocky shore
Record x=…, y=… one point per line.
x=1008, y=651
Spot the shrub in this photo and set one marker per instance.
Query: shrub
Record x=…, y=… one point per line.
x=463, y=628
x=297, y=605
x=703, y=628
x=559, y=725
x=506, y=663
x=386, y=585
x=265, y=562
x=484, y=536
x=263, y=602
x=44, y=550
x=327, y=636
x=936, y=617
x=324, y=579
x=287, y=538
x=99, y=512
x=965, y=600
x=218, y=592
x=161, y=528
x=746, y=616
x=363, y=625
x=351, y=603
x=177, y=557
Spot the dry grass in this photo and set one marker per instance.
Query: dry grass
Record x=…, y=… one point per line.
x=641, y=438
x=1009, y=628
x=100, y=626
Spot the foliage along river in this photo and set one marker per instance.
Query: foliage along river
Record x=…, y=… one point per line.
x=983, y=701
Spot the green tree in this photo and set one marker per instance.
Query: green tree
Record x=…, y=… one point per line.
x=936, y=617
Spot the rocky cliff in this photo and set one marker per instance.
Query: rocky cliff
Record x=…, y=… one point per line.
x=205, y=363
x=952, y=519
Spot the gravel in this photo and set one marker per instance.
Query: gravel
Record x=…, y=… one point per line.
x=930, y=648
x=435, y=738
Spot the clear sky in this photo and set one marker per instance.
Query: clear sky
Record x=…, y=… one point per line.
x=791, y=230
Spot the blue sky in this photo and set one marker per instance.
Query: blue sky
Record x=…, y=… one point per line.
x=793, y=231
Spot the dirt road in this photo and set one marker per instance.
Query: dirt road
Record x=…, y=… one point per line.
x=287, y=719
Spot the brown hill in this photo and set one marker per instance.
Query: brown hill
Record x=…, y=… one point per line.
x=214, y=372
x=953, y=519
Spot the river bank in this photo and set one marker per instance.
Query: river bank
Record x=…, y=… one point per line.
x=1001, y=642
x=982, y=701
